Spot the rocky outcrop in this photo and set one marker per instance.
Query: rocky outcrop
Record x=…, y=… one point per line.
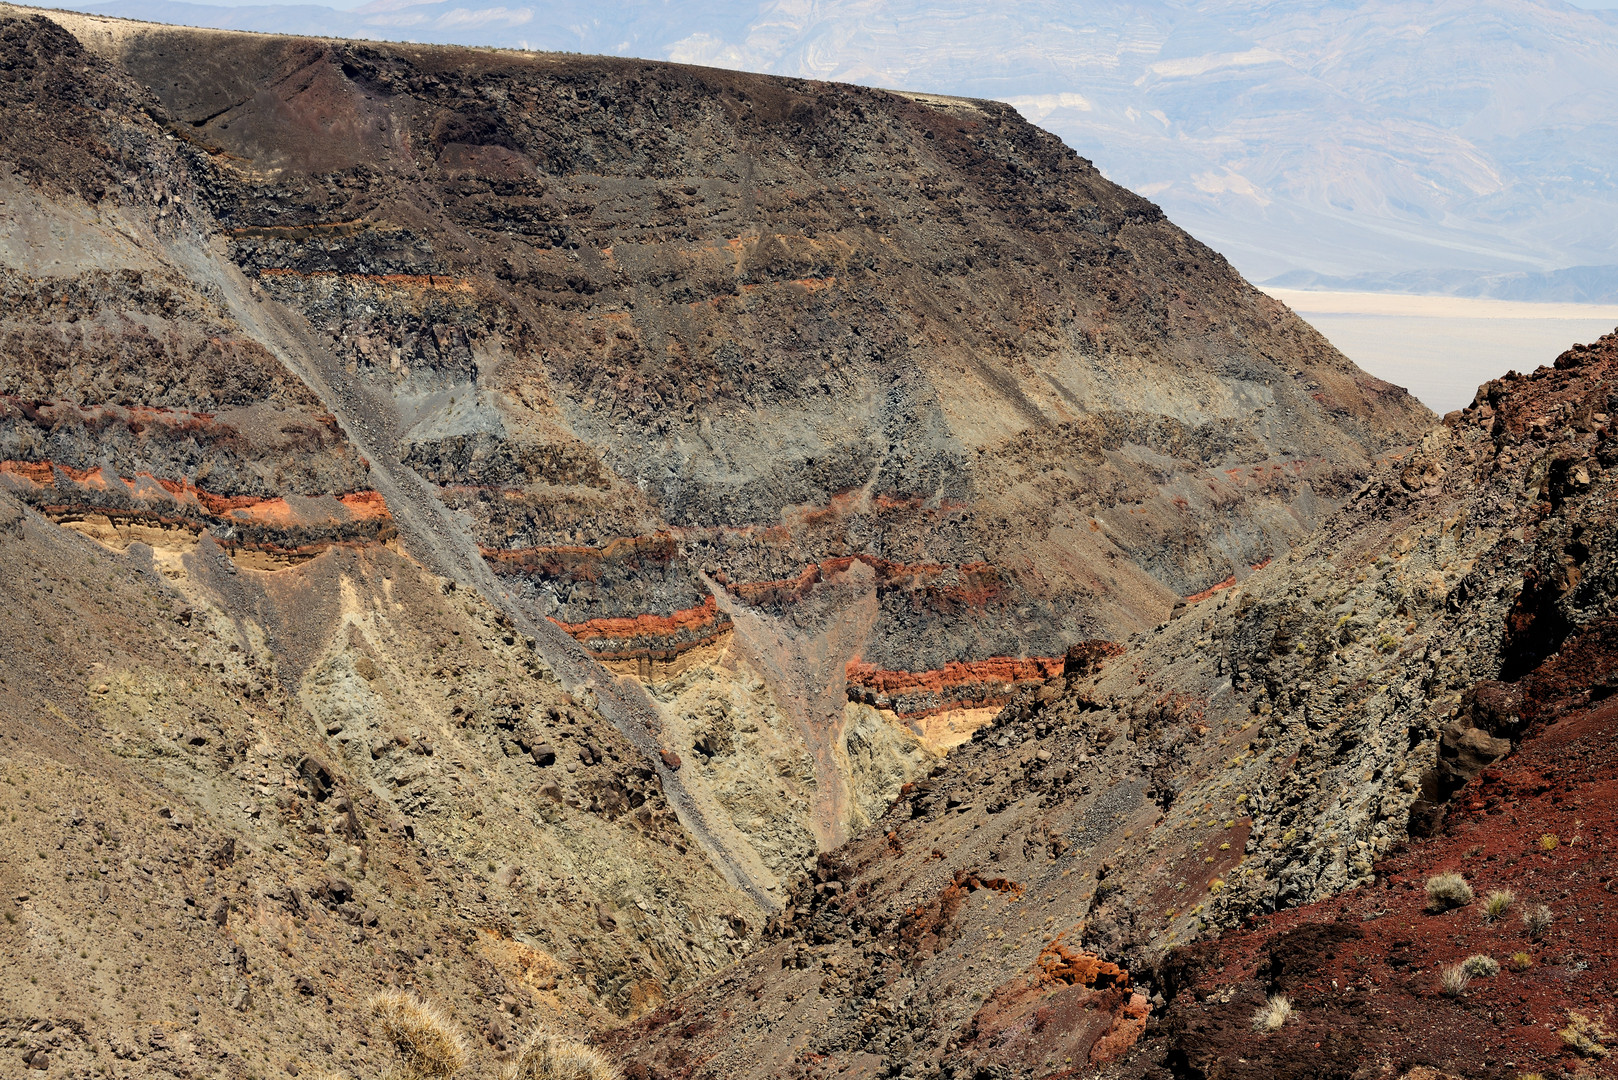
x=898, y=380
x=1365, y=971
x=1433, y=662
x=486, y=522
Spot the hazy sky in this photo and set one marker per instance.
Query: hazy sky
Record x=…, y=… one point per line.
x=346, y=5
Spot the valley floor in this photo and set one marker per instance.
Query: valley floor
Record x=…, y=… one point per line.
x=1441, y=347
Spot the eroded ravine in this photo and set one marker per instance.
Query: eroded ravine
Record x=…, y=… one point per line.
x=431, y=535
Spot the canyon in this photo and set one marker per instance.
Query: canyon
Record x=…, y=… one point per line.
x=687, y=558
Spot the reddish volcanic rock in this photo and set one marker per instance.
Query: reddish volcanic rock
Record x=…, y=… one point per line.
x=300, y=526
x=656, y=637
x=1073, y=1007
x=958, y=685
x=1365, y=970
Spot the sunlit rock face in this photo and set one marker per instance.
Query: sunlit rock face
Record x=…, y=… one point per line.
x=618, y=479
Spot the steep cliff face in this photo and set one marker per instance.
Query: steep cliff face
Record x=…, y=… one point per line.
x=833, y=410
x=1418, y=689
x=513, y=510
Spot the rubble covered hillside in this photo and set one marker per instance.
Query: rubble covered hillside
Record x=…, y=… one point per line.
x=1262, y=798
x=763, y=577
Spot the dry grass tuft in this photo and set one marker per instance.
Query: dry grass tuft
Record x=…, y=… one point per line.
x=1481, y=966
x=1496, y=904
x=1446, y=891
x=548, y=1056
x=1521, y=961
x=1453, y=979
x=427, y=1041
x=1272, y=1014
x=1537, y=919
x=1585, y=1036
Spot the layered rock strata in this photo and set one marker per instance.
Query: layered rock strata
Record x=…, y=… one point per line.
x=1285, y=744
x=483, y=521
x=671, y=342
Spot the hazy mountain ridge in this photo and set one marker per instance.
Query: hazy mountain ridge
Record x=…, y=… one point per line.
x=1353, y=140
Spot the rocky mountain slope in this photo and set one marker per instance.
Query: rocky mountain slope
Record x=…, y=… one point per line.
x=1444, y=146
x=794, y=426
x=1421, y=688
x=487, y=524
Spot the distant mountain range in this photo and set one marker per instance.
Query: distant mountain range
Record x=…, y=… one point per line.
x=1461, y=146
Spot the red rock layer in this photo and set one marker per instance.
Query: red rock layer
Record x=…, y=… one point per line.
x=970, y=684
x=1071, y=1006
x=655, y=637
x=273, y=525
x=1228, y=583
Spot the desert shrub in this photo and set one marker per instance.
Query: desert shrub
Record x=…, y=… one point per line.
x=1446, y=891
x=427, y=1041
x=1521, y=961
x=547, y=1056
x=1481, y=966
x=1548, y=842
x=1453, y=979
x=1272, y=1014
x=1496, y=904
x=1585, y=1036
x=1537, y=919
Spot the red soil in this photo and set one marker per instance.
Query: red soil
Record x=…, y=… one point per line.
x=1364, y=969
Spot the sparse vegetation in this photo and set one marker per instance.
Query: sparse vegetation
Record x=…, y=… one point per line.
x=1549, y=842
x=1453, y=980
x=1447, y=891
x=547, y=1056
x=1585, y=1036
x=1497, y=903
x=1537, y=919
x=1481, y=966
x=427, y=1041
x=1274, y=1013
x=1521, y=961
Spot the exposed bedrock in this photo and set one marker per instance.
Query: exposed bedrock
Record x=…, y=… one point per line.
x=1248, y=801
x=839, y=411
